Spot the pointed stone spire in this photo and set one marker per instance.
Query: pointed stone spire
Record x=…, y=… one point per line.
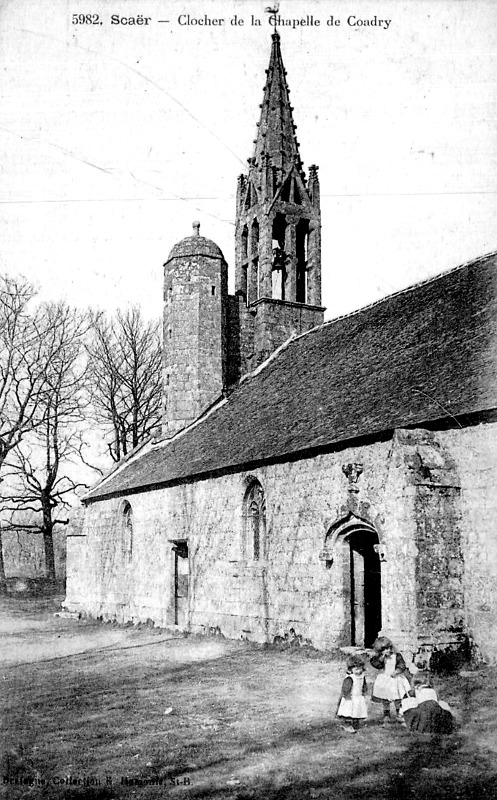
x=276, y=144
x=278, y=225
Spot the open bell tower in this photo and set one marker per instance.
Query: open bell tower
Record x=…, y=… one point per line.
x=278, y=224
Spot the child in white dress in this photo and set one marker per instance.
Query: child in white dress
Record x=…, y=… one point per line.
x=352, y=704
x=392, y=684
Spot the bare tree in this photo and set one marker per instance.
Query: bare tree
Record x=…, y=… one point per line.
x=27, y=343
x=21, y=370
x=43, y=469
x=126, y=363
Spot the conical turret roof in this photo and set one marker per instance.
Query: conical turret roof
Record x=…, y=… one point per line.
x=195, y=245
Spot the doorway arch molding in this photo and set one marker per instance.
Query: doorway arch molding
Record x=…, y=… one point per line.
x=355, y=543
x=342, y=529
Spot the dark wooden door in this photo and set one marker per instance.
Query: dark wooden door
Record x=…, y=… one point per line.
x=181, y=582
x=365, y=589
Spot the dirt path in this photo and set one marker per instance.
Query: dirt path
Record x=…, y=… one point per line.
x=97, y=711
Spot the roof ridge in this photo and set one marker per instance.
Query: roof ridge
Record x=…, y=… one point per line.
x=405, y=290
x=327, y=323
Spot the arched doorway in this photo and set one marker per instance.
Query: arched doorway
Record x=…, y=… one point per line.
x=354, y=544
x=365, y=588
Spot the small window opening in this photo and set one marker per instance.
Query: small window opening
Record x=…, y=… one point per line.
x=127, y=531
x=213, y=290
x=255, y=522
x=285, y=192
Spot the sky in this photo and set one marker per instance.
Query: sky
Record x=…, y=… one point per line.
x=114, y=138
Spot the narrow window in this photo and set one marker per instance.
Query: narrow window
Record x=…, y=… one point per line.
x=285, y=192
x=127, y=531
x=255, y=522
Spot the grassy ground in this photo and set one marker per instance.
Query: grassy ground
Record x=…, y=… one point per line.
x=209, y=718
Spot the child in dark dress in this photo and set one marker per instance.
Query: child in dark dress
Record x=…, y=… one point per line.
x=392, y=684
x=352, y=704
x=425, y=713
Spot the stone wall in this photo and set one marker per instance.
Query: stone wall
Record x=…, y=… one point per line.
x=475, y=453
x=407, y=492
x=278, y=320
x=240, y=339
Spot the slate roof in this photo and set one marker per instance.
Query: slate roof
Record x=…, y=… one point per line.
x=424, y=354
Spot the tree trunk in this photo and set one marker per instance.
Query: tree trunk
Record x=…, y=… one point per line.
x=3, y=581
x=48, y=538
x=49, y=555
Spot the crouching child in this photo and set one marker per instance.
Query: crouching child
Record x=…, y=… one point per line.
x=425, y=713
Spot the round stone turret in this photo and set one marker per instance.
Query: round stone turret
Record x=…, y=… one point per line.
x=195, y=309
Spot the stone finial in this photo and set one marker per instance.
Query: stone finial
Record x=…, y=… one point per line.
x=196, y=228
x=352, y=473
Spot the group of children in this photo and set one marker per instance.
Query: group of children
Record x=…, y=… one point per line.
x=413, y=697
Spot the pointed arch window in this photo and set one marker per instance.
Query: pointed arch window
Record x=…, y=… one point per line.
x=127, y=531
x=255, y=522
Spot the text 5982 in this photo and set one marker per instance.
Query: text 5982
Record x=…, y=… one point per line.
x=86, y=19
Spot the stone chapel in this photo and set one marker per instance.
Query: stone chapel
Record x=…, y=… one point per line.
x=326, y=481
